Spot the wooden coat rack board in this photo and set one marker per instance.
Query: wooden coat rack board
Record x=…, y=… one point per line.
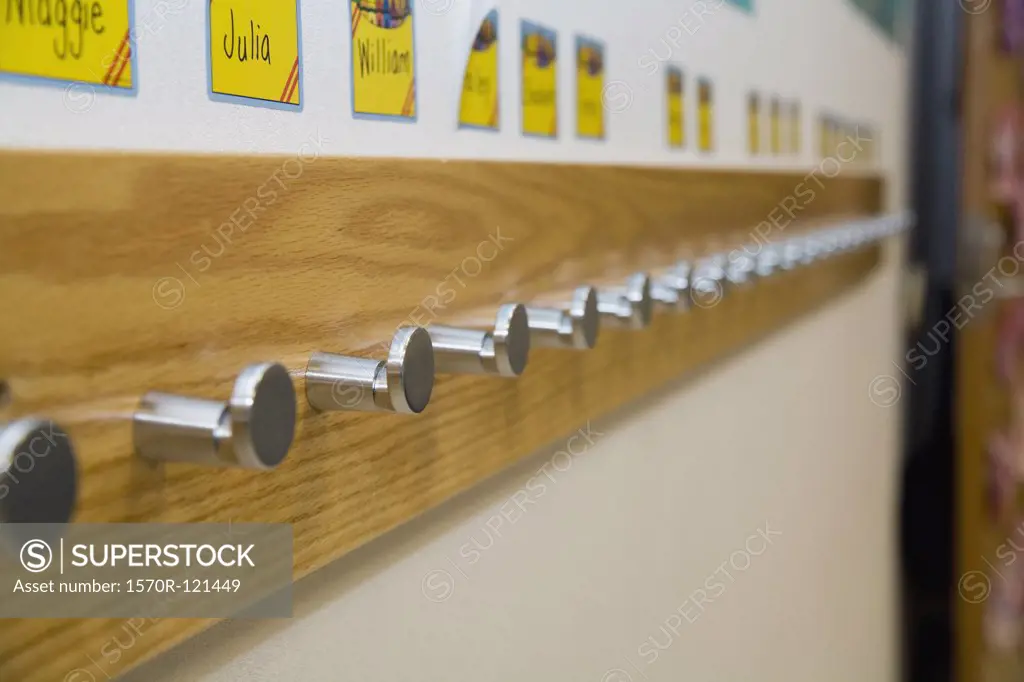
x=348, y=250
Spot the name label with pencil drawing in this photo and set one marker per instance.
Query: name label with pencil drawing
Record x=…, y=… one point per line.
x=89, y=42
x=383, y=59
x=255, y=55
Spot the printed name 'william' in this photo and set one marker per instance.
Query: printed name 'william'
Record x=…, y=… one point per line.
x=377, y=57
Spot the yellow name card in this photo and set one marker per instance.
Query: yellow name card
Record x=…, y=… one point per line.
x=754, y=123
x=776, y=126
x=674, y=86
x=383, y=58
x=830, y=136
x=540, y=81
x=706, y=115
x=86, y=41
x=795, y=127
x=254, y=51
x=589, y=89
x=480, y=85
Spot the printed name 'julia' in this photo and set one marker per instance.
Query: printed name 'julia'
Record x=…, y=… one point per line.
x=255, y=46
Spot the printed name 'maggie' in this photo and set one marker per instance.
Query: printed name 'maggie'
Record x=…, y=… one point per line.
x=73, y=21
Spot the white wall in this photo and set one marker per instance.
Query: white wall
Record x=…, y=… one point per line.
x=823, y=52
x=783, y=435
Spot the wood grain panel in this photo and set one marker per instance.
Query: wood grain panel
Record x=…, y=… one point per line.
x=97, y=248
x=992, y=83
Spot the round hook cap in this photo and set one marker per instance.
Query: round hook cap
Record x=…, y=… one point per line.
x=410, y=370
x=638, y=293
x=511, y=339
x=586, y=320
x=262, y=409
x=38, y=472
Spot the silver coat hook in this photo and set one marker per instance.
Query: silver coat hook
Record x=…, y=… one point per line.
x=792, y=254
x=502, y=352
x=809, y=250
x=710, y=283
x=401, y=383
x=831, y=242
x=627, y=306
x=38, y=472
x=822, y=246
x=768, y=261
x=573, y=326
x=849, y=239
x=252, y=430
x=860, y=234
x=671, y=289
x=665, y=297
x=741, y=267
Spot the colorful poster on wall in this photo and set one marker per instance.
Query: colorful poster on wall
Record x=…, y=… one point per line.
x=754, y=124
x=540, y=81
x=705, y=115
x=481, y=92
x=383, y=59
x=675, y=98
x=255, y=52
x=90, y=42
x=589, y=88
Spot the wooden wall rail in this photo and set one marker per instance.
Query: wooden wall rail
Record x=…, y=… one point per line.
x=125, y=273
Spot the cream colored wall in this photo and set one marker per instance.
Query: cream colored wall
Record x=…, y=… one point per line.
x=676, y=495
